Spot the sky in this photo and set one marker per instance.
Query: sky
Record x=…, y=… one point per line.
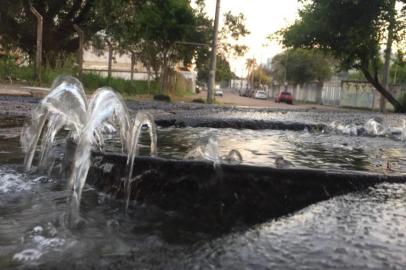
x=263, y=17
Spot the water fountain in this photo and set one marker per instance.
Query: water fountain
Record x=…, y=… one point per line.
x=208, y=149
x=66, y=107
x=208, y=191
x=84, y=122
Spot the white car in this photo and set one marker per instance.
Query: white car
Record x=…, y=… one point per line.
x=218, y=91
x=261, y=95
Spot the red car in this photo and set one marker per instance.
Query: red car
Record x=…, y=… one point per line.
x=284, y=97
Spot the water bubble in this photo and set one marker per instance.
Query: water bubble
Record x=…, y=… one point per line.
x=27, y=255
x=374, y=127
x=38, y=230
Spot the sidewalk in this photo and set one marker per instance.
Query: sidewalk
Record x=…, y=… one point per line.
x=22, y=90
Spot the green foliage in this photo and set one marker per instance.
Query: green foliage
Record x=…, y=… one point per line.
x=159, y=26
x=260, y=77
x=8, y=67
x=233, y=30
x=356, y=75
x=398, y=69
x=351, y=31
x=299, y=66
x=93, y=81
x=18, y=24
x=223, y=71
x=178, y=85
x=402, y=102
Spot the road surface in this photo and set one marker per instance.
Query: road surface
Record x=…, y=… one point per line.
x=232, y=98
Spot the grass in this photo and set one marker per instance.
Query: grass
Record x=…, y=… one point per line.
x=127, y=88
x=91, y=81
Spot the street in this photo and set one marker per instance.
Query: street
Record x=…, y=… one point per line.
x=232, y=98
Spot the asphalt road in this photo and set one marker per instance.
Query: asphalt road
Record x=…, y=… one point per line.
x=232, y=98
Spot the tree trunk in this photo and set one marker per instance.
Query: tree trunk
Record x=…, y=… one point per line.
x=132, y=65
x=383, y=91
x=149, y=77
x=110, y=59
x=388, y=52
x=164, y=74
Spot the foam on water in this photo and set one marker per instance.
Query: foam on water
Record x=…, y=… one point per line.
x=374, y=127
x=40, y=241
x=12, y=181
x=27, y=255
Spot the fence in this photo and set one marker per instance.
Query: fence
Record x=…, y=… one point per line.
x=331, y=93
x=310, y=92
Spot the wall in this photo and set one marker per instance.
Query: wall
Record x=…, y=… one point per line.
x=239, y=84
x=331, y=92
x=357, y=95
x=363, y=95
x=310, y=92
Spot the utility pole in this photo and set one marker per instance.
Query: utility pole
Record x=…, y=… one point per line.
x=388, y=53
x=80, y=50
x=213, y=63
x=38, y=58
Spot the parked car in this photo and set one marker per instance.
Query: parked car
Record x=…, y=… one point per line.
x=284, y=97
x=260, y=94
x=218, y=91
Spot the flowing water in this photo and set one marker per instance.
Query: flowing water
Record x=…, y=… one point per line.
x=303, y=149
x=66, y=107
x=362, y=230
x=365, y=230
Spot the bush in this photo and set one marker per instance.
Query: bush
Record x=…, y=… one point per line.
x=7, y=68
x=178, y=85
x=93, y=81
x=162, y=98
x=402, y=101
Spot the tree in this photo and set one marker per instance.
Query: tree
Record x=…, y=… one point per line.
x=351, y=30
x=161, y=25
x=234, y=28
x=250, y=65
x=17, y=25
x=223, y=71
x=398, y=70
x=232, y=31
x=299, y=66
x=261, y=77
